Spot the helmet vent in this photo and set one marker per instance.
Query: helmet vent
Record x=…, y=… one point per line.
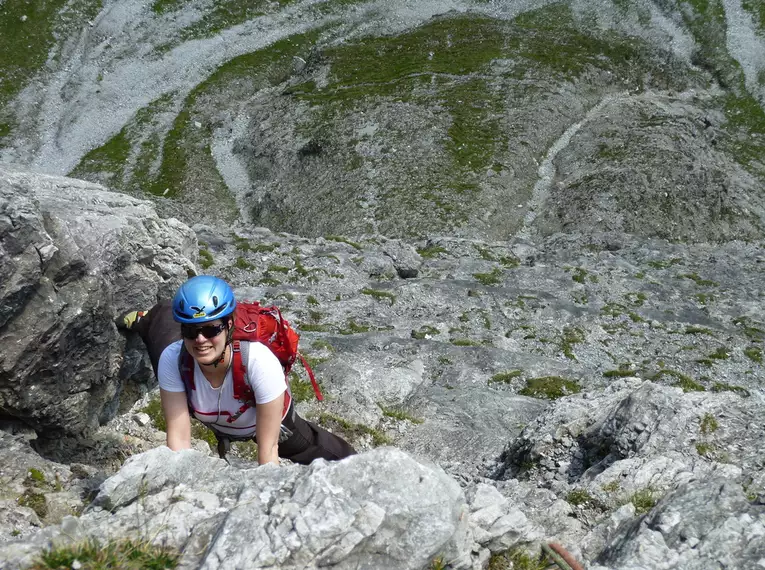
x=215, y=300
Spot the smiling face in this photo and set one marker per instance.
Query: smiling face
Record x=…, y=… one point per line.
x=206, y=350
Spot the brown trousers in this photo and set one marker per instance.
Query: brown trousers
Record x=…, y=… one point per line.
x=304, y=441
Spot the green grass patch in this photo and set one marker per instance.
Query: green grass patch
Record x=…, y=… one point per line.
x=154, y=410
x=708, y=424
x=723, y=387
x=125, y=554
x=698, y=280
x=341, y=239
x=464, y=342
x=35, y=501
x=620, y=373
x=683, y=381
x=698, y=330
x=205, y=259
x=425, y=331
x=399, y=414
x=242, y=263
x=355, y=430
x=643, y=501
x=431, y=251
x=489, y=279
x=751, y=329
x=579, y=497
x=352, y=327
x=302, y=390
x=570, y=337
x=505, y=377
x=664, y=264
x=550, y=387
x=379, y=295
x=754, y=353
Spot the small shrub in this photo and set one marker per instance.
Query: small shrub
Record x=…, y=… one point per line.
x=708, y=424
x=354, y=328
x=36, y=476
x=611, y=487
x=202, y=432
x=698, y=330
x=550, y=387
x=465, y=342
x=205, y=259
x=34, y=501
x=311, y=300
x=621, y=373
x=704, y=449
x=684, y=381
x=579, y=497
x=322, y=345
x=571, y=336
x=643, y=501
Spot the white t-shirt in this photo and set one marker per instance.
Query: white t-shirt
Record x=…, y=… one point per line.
x=216, y=405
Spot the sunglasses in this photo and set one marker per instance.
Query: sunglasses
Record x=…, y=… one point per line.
x=208, y=331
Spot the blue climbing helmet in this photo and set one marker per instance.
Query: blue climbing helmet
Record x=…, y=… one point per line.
x=203, y=298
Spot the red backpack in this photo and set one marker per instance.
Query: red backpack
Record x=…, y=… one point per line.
x=254, y=323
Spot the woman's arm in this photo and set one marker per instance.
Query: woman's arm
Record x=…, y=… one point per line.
x=267, y=427
x=176, y=410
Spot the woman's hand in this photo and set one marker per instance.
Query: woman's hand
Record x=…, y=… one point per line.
x=175, y=407
x=267, y=428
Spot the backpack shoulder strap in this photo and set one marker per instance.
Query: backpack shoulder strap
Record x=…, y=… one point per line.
x=186, y=368
x=239, y=358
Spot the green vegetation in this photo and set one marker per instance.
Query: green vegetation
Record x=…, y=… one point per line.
x=205, y=258
x=550, y=387
x=35, y=501
x=723, y=387
x=431, y=251
x=27, y=34
x=754, y=353
x=704, y=449
x=154, y=410
x=302, y=390
x=379, y=295
x=570, y=337
x=425, y=331
x=698, y=280
x=127, y=554
x=616, y=310
x=399, y=415
x=36, y=476
x=643, y=501
x=684, y=381
x=341, y=239
x=355, y=430
x=352, y=327
x=464, y=342
x=620, y=373
x=311, y=300
x=579, y=497
x=516, y=559
x=581, y=276
x=611, y=487
x=757, y=9
x=242, y=263
x=505, y=377
x=708, y=424
x=489, y=279
x=322, y=345
x=752, y=330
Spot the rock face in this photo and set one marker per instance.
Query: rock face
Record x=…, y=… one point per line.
x=72, y=257
x=379, y=510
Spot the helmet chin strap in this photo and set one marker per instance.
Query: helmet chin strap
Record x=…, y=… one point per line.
x=222, y=354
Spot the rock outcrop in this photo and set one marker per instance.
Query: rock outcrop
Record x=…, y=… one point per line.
x=378, y=510
x=72, y=257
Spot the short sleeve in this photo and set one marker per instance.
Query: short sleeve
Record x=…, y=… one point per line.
x=167, y=370
x=265, y=374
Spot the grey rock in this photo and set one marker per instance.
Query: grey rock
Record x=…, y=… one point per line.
x=702, y=524
x=343, y=513
x=75, y=256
